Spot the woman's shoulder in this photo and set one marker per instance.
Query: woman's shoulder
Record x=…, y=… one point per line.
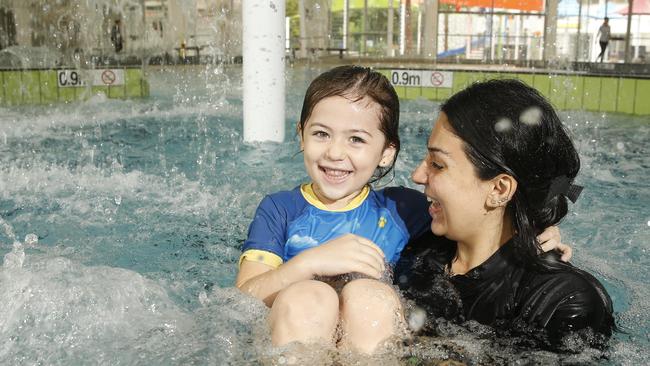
x=564, y=300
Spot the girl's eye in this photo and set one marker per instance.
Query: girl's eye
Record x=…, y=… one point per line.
x=357, y=139
x=321, y=134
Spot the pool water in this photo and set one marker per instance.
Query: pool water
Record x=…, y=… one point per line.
x=121, y=224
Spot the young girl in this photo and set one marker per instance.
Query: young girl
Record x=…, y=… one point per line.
x=337, y=224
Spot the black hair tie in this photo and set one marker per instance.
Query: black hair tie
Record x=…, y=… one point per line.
x=564, y=185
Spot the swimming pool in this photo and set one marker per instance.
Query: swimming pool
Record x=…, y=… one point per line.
x=130, y=215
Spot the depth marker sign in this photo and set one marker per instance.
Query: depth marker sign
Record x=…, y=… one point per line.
x=108, y=77
x=437, y=79
x=422, y=78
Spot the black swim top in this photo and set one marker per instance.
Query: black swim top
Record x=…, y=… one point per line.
x=502, y=293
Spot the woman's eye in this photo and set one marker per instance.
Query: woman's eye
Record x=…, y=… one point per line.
x=321, y=134
x=436, y=165
x=356, y=139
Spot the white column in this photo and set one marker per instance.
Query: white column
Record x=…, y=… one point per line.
x=430, y=31
x=402, y=27
x=550, y=30
x=389, y=33
x=346, y=8
x=518, y=22
x=263, y=70
x=630, y=8
x=419, y=38
x=302, y=14
x=287, y=33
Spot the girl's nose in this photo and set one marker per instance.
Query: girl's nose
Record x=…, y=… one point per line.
x=419, y=175
x=336, y=151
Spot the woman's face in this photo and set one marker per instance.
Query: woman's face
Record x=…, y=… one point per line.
x=458, y=197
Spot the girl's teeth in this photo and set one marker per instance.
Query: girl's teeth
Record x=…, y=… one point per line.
x=335, y=173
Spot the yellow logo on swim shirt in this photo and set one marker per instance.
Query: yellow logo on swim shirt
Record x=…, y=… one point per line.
x=382, y=222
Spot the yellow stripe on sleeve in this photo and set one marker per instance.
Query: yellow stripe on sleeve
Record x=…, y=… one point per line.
x=261, y=256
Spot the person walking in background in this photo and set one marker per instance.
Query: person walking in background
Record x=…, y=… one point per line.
x=604, y=32
x=116, y=36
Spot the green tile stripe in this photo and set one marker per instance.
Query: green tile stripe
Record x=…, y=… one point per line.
x=3, y=92
x=608, y=88
x=526, y=78
x=67, y=95
x=558, y=92
x=625, y=96
x=30, y=87
x=99, y=89
x=591, y=95
x=132, y=82
x=13, y=87
x=444, y=94
x=49, y=87
x=574, y=92
x=459, y=82
x=430, y=94
x=642, y=97
x=542, y=82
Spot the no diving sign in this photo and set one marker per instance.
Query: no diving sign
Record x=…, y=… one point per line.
x=437, y=79
x=108, y=77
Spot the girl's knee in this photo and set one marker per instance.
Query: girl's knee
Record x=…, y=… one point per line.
x=371, y=313
x=369, y=295
x=306, y=302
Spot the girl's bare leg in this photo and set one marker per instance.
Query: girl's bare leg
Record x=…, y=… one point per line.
x=371, y=312
x=305, y=312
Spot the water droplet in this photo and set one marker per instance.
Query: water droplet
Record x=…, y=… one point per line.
x=503, y=125
x=620, y=145
x=31, y=239
x=416, y=319
x=531, y=116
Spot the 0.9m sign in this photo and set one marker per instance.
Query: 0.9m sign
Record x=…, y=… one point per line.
x=422, y=78
x=69, y=78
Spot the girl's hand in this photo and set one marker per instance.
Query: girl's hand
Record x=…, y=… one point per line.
x=550, y=239
x=345, y=254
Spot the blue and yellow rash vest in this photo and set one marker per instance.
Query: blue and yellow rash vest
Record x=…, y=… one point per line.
x=288, y=222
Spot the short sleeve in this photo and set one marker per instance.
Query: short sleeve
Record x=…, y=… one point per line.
x=266, y=234
x=412, y=207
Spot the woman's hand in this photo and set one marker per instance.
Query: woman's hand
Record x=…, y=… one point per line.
x=345, y=254
x=550, y=239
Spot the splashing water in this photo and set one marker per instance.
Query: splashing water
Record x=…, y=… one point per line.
x=133, y=213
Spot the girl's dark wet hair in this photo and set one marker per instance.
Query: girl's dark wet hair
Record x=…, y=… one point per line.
x=355, y=83
x=509, y=127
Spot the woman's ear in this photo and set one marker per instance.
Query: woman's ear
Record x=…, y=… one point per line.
x=503, y=188
x=388, y=156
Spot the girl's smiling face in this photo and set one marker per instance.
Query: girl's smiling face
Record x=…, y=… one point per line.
x=343, y=145
x=458, y=197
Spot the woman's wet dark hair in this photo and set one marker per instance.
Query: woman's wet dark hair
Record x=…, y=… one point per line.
x=355, y=83
x=509, y=127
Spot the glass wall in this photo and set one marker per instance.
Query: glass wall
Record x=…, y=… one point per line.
x=495, y=31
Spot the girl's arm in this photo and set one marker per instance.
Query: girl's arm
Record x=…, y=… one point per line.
x=345, y=254
x=550, y=239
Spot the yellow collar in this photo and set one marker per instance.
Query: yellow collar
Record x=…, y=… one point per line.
x=308, y=193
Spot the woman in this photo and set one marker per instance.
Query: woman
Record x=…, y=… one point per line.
x=499, y=169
